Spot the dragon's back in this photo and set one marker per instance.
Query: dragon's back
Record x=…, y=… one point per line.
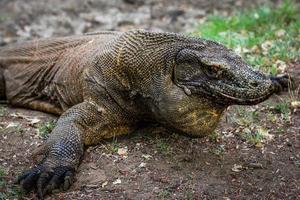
x=44, y=74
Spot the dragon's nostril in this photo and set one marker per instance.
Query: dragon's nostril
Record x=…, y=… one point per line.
x=254, y=84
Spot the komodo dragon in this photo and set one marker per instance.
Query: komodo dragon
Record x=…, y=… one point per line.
x=103, y=84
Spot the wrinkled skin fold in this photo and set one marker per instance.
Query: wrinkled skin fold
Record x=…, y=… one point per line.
x=102, y=85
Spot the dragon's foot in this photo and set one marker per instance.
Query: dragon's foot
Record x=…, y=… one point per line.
x=46, y=180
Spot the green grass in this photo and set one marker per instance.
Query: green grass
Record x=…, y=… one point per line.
x=4, y=18
x=3, y=111
x=114, y=147
x=282, y=107
x=255, y=136
x=214, y=137
x=219, y=150
x=2, y=173
x=245, y=117
x=263, y=36
x=163, y=146
x=19, y=129
x=164, y=194
x=189, y=195
x=46, y=128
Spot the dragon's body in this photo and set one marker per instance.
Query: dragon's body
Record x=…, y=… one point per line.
x=103, y=84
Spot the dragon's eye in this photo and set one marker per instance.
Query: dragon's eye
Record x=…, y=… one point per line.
x=212, y=71
x=191, y=68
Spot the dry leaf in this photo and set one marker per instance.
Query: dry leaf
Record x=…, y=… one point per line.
x=104, y=184
x=123, y=152
x=117, y=181
x=12, y=125
x=33, y=121
x=280, y=33
x=237, y=168
x=142, y=165
x=147, y=157
x=281, y=66
x=266, y=46
x=265, y=133
x=295, y=104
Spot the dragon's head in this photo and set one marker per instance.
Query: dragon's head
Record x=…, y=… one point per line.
x=216, y=72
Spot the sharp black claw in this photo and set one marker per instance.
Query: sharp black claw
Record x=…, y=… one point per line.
x=29, y=178
x=68, y=179
x=53, y=184
x=42, y=183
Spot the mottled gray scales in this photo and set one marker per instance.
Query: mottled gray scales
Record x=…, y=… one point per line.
x=103, y=84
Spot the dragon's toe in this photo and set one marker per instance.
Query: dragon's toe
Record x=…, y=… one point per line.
x=28, y=179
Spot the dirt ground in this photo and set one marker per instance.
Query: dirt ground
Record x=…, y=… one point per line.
x=153, y=163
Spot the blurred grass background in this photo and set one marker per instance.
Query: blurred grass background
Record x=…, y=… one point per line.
x=267, y=36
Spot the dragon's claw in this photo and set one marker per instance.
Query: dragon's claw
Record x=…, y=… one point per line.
x=45, y=181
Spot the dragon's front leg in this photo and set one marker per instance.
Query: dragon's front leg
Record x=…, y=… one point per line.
x=83, y=124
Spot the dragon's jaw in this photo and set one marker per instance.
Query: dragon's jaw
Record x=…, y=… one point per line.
x=230, y=94
x=247, y=95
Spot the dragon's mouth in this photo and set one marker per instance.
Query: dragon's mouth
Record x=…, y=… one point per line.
x=232, y=94
x=244, y=101
x=243, y=95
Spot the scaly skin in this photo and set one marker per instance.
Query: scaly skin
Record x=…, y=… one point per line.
x=103, y=84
